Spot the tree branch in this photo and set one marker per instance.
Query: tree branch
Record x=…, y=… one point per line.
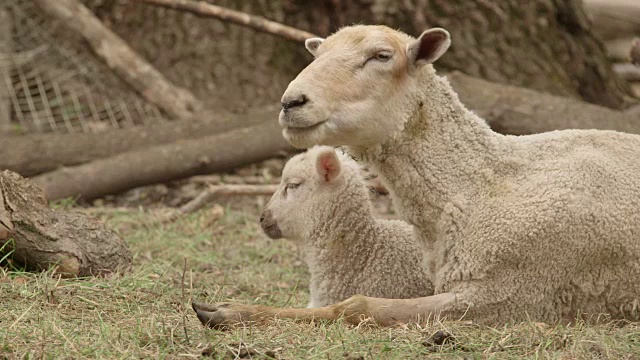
x=202, y=8
x=213, y=192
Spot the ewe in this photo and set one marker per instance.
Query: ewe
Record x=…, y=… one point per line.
x=324, y=203
x=541, y=227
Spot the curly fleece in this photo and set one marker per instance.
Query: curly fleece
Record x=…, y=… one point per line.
x=538, y=227
x=348, y=250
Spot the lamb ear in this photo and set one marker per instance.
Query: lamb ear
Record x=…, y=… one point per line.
x=432, y=44
x=328, y=165
x=312, y=44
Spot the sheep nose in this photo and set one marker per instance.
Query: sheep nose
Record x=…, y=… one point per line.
x=291, y=102
x=264, y=215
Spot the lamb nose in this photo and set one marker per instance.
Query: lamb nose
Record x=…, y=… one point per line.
x=261, y=217
x=295, y=102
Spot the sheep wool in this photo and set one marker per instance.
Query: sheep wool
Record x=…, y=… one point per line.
x=541, y=227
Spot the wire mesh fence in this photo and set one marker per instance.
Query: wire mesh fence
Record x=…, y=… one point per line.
x=51, y=82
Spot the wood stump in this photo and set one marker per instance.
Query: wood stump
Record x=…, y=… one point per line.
x=41, y=237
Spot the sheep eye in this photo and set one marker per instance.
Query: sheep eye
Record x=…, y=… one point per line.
x=291, y=186
x=383, y=56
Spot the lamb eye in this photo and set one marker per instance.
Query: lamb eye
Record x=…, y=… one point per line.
x=291, y=186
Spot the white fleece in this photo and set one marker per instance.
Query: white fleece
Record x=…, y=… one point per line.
x=347, y=249
x=539, y=227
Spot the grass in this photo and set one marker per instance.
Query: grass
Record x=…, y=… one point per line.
x=146, y=314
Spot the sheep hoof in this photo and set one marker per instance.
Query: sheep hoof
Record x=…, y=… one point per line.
x=222, y=316
x=211, y=315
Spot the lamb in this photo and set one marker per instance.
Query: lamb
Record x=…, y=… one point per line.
x=541, y=227
x=324, y=203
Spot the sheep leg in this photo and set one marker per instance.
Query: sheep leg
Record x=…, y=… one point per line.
x=384, y=312
x=221, y=316
x=387, y=312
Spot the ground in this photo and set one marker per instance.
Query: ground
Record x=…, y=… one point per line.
x=146, y=314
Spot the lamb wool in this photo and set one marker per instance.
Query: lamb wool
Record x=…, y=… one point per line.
x=324, y=204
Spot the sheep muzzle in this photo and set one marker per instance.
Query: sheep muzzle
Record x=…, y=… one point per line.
x=270, y=225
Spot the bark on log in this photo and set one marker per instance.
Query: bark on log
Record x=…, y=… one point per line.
x=31, y=155
x=43, y=237
x=629, y=72
x=614, y=18
x=165, y=163
x=143, y=77
x=202, y=8
x=519, y=111
x=618, y=49
x=634, y=53
x=6, y=225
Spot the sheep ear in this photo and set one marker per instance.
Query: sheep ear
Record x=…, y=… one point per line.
x=312, y=44
x=328, y=165
x=432, y=44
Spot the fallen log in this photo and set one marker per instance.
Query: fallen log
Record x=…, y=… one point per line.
x=629, y=72
x=35, y=154
x=176, y=102
x=520, y=111
x=40, y=237
x=614, y=18
x=618, y=49
x=164, y=163
x=634, y=53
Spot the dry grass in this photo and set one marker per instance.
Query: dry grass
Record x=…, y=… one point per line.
x=146, y=314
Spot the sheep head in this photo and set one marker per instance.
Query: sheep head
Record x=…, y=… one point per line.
x=310, y=183
x=362, y=78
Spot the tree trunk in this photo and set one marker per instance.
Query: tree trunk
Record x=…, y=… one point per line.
x=6, y=49
x=31, y=155
x=542, y=44
x=42, y=237
x=164, y=163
